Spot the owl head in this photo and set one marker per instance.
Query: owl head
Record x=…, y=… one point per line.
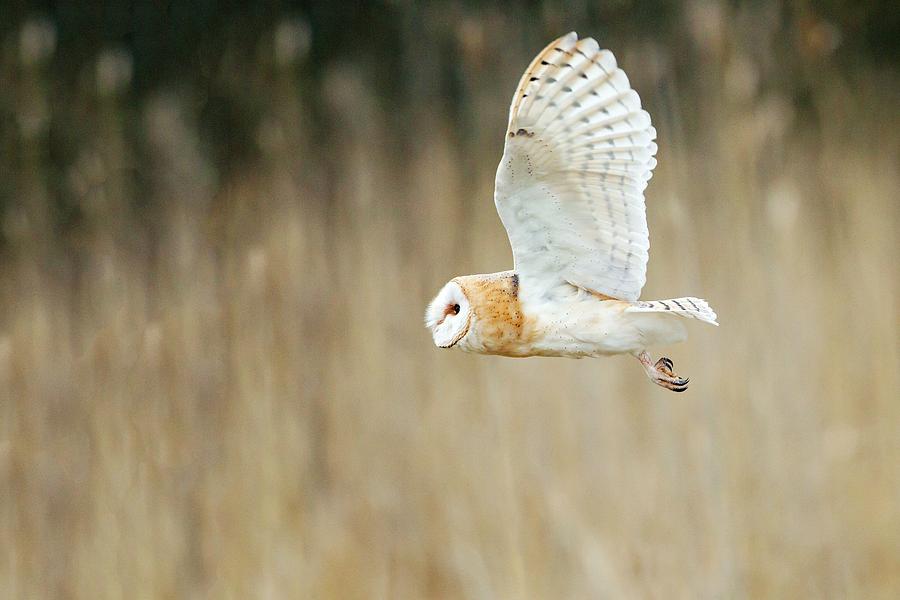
x=449, y=316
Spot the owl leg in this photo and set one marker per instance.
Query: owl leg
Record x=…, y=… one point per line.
x=661, y=373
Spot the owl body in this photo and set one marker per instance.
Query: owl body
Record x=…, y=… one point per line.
x=503, y=319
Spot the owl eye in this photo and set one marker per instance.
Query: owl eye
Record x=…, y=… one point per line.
x=456, y=309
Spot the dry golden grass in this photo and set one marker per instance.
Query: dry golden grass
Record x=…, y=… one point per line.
x=241, y=400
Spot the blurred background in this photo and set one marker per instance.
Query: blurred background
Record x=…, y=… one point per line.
x=219, y=228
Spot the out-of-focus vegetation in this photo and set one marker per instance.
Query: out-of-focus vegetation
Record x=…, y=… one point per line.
x=218, y=231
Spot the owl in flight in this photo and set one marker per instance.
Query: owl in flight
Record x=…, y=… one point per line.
x=570, y=192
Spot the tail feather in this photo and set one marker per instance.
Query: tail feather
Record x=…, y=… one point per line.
x=692, y=308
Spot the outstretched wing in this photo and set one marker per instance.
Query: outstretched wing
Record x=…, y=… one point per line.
x=569, y=189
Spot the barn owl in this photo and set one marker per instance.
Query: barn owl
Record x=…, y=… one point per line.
x=570, y=192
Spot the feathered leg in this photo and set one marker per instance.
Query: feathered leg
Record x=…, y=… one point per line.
x=661, y=373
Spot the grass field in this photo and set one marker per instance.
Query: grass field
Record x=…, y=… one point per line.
x=219, y=385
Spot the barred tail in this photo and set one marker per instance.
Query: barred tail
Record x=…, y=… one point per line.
x=692, y=308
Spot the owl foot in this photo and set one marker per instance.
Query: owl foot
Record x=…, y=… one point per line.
x=662, y=374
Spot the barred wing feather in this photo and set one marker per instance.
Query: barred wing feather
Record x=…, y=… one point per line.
x=569, y=190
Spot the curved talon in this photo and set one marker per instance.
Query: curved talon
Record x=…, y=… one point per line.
x=678, y=385
x=665, y=366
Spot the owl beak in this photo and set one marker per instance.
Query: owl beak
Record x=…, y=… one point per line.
x=461, y=334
